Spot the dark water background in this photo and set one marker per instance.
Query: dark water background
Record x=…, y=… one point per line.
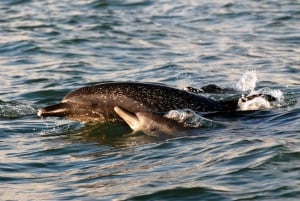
x=48, y=48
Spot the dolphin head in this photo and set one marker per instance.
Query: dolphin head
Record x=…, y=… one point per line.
x=57, y=110
x=74, y=111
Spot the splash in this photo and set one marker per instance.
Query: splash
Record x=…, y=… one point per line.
x=190, y=118
x=247, y=82
x=253, y=99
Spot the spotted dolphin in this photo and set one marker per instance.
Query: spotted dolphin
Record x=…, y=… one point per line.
x=96, y=103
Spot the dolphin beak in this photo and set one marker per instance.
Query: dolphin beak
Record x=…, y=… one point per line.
x=130, y=118
x=57, y=110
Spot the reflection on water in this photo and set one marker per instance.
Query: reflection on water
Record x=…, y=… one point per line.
x=116, y=135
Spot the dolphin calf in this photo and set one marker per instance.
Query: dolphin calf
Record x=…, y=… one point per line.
x=172, y=123
x=150, y=123
x=97, y=103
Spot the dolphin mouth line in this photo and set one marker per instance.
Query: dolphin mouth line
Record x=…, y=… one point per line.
x=43, y=112
x=57, y=110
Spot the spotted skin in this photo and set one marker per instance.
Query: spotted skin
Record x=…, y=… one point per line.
x=96, y=103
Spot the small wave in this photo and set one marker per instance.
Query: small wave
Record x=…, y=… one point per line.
x=15, y=109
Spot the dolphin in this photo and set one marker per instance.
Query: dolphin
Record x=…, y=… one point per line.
x=96, y=103
x=150, y=123
x=172, y=123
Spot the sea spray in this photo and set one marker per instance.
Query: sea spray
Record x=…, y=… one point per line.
x=247, y=82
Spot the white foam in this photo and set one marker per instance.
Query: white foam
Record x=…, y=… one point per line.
x=247, y=84
x=254, y=104
x=276, y=93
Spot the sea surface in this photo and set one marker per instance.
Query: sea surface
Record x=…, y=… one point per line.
x=49, y=48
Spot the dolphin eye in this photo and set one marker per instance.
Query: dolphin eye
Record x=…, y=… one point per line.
x=244, y=100
x=154, y=129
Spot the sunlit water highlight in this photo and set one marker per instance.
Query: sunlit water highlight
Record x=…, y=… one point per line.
x=48, y=48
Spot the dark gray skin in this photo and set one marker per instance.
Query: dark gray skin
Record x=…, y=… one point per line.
x=211, y=88
x=96, y=103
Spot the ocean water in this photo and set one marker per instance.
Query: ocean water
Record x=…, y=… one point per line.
x=48, y=48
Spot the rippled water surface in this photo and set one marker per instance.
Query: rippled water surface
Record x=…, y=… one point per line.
x=48, y=48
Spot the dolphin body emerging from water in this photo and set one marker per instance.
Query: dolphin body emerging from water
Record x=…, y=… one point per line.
x=172, y=123
x=97, y=103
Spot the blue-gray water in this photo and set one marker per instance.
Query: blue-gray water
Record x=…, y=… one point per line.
x=48, y=48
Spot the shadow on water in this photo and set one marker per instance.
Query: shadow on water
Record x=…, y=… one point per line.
x=113, y=134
